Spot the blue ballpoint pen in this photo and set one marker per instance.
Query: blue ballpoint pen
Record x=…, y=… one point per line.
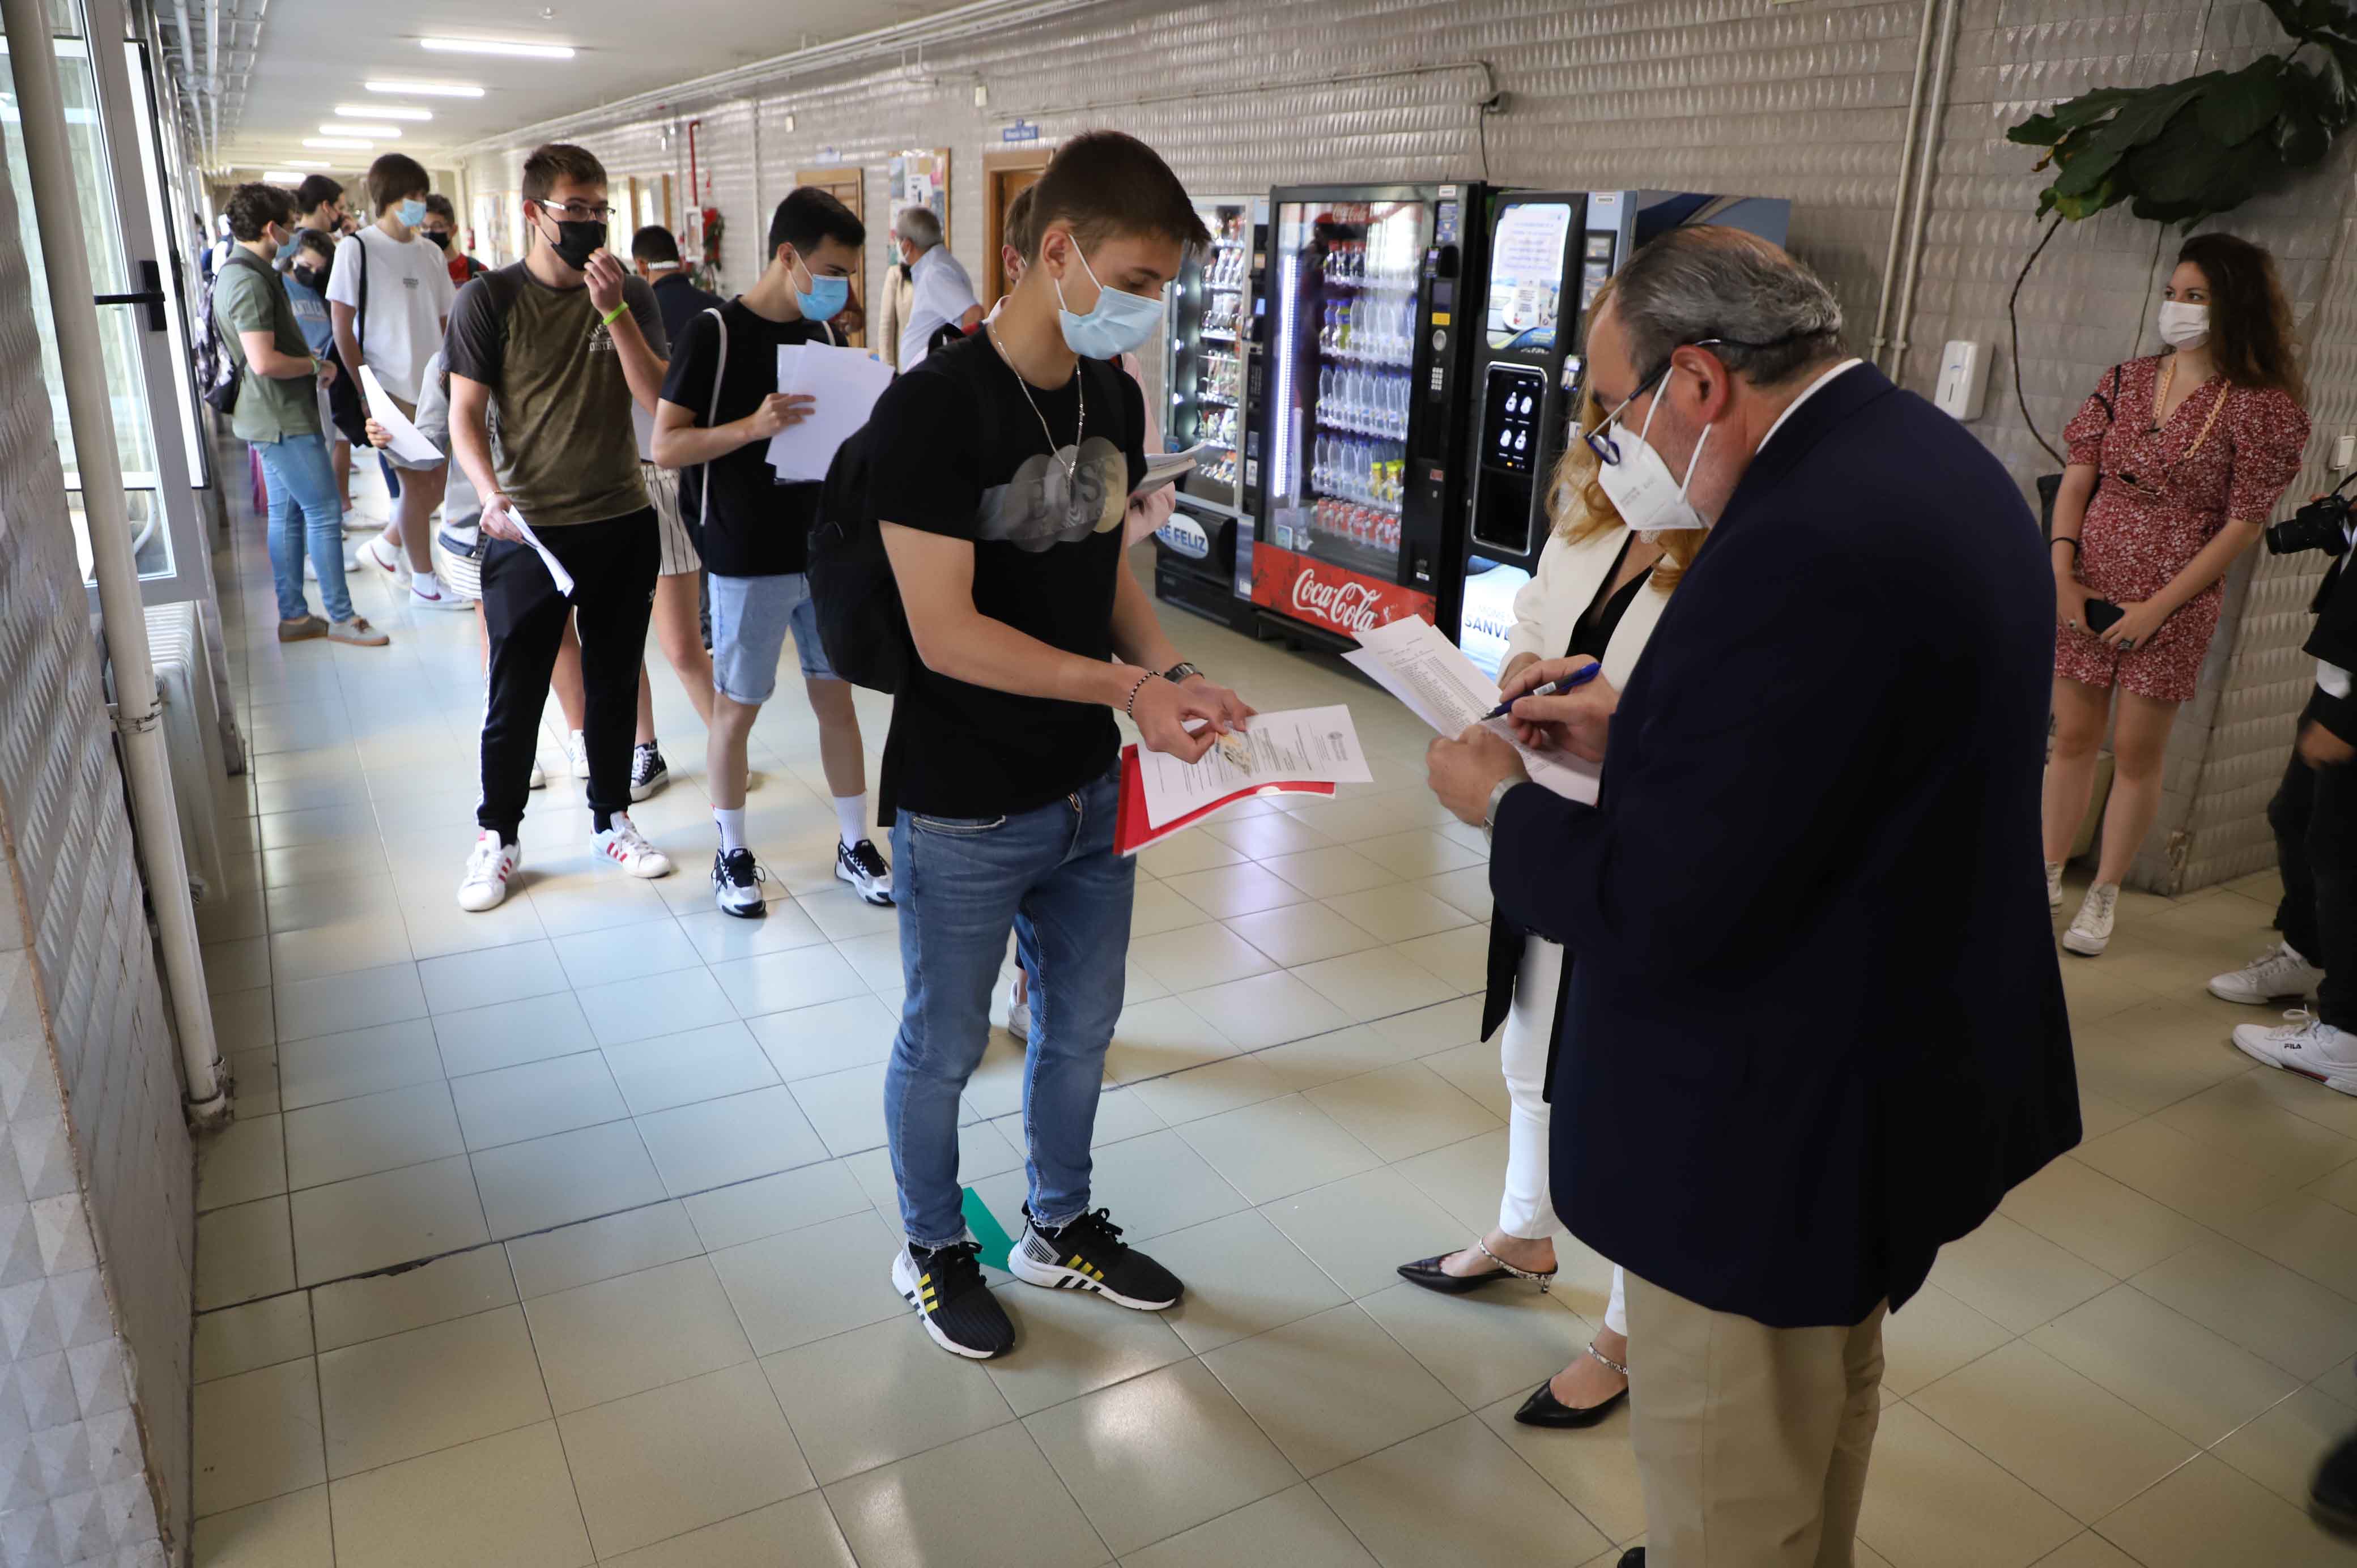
x=1571, y=682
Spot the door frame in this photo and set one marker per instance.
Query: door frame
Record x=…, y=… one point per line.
x=835, y=179
x=996, y=168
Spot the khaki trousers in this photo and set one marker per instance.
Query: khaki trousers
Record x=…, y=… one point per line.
x=1751, y=1442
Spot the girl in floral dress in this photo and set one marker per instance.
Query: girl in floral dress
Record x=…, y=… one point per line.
x=2176, y=462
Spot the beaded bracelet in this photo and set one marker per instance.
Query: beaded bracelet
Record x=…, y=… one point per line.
x=1129, y=708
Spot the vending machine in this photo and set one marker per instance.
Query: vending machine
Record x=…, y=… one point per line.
x=1548, y=254
x=1351, y=474
x=1206, y=400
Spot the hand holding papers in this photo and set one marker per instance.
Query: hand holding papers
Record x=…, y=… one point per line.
x=1162, y=468
x=1307, y=745
x=1414, y=662
x=845, y=383
x=523, y=533
x=407, y=443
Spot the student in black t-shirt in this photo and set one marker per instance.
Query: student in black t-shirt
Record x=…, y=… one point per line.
x=720, y=406
x=1001, y=473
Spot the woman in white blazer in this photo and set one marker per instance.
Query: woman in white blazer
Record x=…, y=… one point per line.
x=1599, y=591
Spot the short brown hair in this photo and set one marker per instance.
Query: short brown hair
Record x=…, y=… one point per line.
x=397, y=176
x=1104, y=183
x=554, y=161
x=253, y=207
x=1017, y=229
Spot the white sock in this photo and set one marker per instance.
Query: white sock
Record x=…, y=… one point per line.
x=425, y=583
x=851, y=816
x=732, y=827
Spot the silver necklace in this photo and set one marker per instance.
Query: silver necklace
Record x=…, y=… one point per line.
x=1079, y=423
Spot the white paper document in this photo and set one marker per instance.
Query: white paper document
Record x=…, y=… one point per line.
x=1161, y=468
x=407, y=443
x=1411, y=659
x=562, y=578
x=845, y=384
x=1306, y=745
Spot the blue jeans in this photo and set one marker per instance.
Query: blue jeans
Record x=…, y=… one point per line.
x=302, y=480
x=1051, y=876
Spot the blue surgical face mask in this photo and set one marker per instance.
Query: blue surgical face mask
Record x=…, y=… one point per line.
x=1117, y=323
x=824, y=297
x=411, y=212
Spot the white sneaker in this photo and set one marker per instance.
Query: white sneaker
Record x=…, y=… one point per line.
x=577, y=750
x=863, y=866
x=2054, y=885
x=485, y=884
x=382, y=555
x=2091, y=933
x=1018, y=1011
x=429, y=592
x=539, y=780
x=2278, y=974
x=2307, y=1045
x=626, y=847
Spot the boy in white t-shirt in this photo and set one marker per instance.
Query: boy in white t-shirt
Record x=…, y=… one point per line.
x=406, y=287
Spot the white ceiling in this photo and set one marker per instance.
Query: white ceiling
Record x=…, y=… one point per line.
x=315, y=54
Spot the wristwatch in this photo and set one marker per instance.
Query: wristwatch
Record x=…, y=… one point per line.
x=1497, y=797
x=1179, y=672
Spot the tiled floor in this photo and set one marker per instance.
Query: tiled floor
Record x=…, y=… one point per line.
x=639, y=1146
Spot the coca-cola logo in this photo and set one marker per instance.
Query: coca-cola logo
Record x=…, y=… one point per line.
x=1352, y=606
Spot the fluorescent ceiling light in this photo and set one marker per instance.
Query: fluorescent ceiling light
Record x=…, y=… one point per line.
x=427, y=88
x=282, y=177
x=337, y=144
x=496, y=47
x=346, y=128
x=309, y=162
x=382, y=112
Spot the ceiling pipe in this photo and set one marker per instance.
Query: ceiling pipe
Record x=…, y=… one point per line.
x=1923, y=31
x=163, y=861
x=1911, y=269
x=982, y=17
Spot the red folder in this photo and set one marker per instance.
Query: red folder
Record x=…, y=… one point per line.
x=1130, y=832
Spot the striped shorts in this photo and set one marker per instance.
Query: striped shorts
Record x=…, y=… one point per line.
x=678, y=550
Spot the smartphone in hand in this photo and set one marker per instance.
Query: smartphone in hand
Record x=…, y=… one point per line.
x=2101, y=614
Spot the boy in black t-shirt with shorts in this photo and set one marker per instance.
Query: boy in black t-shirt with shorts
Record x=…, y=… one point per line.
x=720, y=406
x=1001, y=471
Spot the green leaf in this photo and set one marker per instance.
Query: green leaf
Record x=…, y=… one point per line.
x=2038, y=130
x=2148, y=115
x=2083, y=172
x=2176, y=165
x=2234, y=110
x=2090, y=107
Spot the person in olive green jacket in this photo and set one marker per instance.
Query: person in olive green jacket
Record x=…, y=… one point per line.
x=277, y=411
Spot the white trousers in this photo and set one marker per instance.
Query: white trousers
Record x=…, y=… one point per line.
x=1526, y=1210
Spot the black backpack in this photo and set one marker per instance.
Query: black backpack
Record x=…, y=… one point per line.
x=860, y=622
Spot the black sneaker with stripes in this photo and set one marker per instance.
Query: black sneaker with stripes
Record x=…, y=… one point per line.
x=1089, y=1254
x=958, y=1309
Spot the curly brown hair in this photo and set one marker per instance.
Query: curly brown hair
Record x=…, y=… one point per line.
x=2250, y=319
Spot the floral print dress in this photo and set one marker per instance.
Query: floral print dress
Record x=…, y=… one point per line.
x=2228, y=452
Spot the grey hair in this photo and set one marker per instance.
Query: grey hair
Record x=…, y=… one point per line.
x=1715, y=282
x=918, y=226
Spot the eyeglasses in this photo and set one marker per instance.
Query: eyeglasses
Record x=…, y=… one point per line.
x=580, y=211
x=1599, y=440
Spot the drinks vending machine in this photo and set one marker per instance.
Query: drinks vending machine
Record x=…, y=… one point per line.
x=1351, y=459
x=1207, y=401
x=1549, y=253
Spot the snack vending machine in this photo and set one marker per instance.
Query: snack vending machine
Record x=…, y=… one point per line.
x=1351, y=478
x=1206, y=400
x=1549, y=253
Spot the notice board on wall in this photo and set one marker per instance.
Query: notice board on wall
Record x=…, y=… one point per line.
x=920, y=177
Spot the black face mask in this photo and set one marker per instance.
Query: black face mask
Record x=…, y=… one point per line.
x=577, y=239
x=439, y=238
x=312, y=278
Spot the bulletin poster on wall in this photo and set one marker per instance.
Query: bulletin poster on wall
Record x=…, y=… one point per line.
x=920, y=177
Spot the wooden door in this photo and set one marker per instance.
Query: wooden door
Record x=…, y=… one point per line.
x=848, y=186
x=1004, y=175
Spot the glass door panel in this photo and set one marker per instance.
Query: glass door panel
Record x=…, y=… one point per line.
x=1209, y=324
x=1344, y=281
x=119, y=327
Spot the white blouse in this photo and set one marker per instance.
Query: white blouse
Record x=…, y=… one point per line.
x=1550, y=604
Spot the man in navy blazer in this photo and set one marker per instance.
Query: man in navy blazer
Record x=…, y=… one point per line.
x=1813, y=1026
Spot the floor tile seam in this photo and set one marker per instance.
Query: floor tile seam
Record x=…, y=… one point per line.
x=2255, y=1354
x=2208, y=1232
x=2199, y=1450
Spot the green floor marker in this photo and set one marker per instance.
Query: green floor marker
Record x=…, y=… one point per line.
x=996, y=1242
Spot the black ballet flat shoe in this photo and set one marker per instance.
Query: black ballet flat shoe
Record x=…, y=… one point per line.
x=1633, y=1558
x=1542, y=1409
x=1428, y=1273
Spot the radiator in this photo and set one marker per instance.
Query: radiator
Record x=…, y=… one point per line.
x=192, y=740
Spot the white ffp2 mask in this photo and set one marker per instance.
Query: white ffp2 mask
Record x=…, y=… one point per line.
x=1640, y=484
x=2181, y=323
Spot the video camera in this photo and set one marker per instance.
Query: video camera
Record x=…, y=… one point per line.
x=2321, y=524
